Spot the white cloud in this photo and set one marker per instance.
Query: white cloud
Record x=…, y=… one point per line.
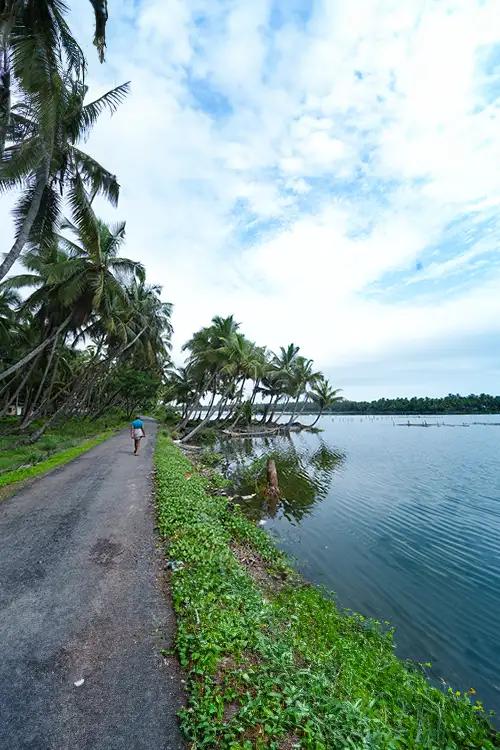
x=356, y=143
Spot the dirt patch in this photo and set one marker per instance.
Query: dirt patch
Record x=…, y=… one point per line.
x=230, y=711
x=105, y=551
x=290, y=742
x=226, y=664
x=257, y=567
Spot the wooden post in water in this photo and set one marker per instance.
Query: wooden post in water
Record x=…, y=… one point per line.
x=272, y=490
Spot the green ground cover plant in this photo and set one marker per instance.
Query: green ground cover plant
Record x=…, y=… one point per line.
x=271, y=662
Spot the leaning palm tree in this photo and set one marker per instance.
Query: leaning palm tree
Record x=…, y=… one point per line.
x=209, y=349
x=150, y=324
x=180, y=388
x=280, y=377
x=45, y=162
x=95, y=283
x=76, y=281
x=301, y=377
x=324, y=396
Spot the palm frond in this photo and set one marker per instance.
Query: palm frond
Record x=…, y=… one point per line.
x=74, y=53
x=34, y=55
x=113, y=239
x=20, y=125
x=19, y=161
x=72, y=289
x=67, y=224
x=20, y=281
x=46, y=222
x=96, y=177
x=70, y=247
x=110, y=101
x=125, y=269
x=83, y=215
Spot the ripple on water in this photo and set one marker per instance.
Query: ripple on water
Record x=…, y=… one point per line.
x=403, y=524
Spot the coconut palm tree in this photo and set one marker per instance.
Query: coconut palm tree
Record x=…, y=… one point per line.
x=280, y=376
x=212, y=352
x=94, y=277
x=74, y=281
x=35, y=38
x=45, y=162
x=301, y=377
x=181, y=389
x=323, y=396
x=150, y=323
x=144, y=333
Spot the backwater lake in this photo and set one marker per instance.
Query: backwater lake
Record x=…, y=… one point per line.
x=401, y=523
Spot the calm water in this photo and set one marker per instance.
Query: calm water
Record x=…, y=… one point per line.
x=403, y=523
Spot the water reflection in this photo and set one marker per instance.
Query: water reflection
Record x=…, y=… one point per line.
x=305, y=474
x=406, y=530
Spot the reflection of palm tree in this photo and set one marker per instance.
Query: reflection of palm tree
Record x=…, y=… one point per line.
x=304, y=479
x=324, y=459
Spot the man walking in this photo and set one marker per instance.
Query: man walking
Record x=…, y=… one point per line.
x=137, y=432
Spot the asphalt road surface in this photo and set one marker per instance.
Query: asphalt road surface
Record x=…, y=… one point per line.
x=82, y=597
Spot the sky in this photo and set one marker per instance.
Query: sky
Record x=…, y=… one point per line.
x=328, y=172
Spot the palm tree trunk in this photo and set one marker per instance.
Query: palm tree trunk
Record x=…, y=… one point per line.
x=317, y=418
x=273, y=409
x=294, y=409
x=15, y=395
x=24, y=232
x=210, y=411
x=221, y=408
x=265, y=411
x=82, y=385
x=7, y=386
x=190, y=408
x=34, y=352
x=254, y=392
x=75, y=391
x=107, y=403
x=4, y=94
x=47, y=400
x=239, y=401
x=306, y=401
x=283, y=410
x=42, y=382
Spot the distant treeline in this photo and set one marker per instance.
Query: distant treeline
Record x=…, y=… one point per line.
x=450, y=404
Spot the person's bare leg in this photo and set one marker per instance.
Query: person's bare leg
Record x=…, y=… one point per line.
x=136, y=446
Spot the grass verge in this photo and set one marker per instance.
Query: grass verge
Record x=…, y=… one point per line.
x=271, y=662
x=20, y=463
x=58, y=459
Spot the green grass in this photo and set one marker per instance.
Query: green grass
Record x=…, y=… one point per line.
x=271, y=662
x=19, y=462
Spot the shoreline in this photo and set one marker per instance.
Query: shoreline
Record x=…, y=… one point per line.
x=269, y=658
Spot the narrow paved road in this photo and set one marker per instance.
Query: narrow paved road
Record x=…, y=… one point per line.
x=81, y=598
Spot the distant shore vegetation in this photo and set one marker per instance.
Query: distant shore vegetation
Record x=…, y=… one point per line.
x=453, y=403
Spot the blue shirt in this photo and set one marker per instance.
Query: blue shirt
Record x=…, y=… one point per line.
x=137, y=424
